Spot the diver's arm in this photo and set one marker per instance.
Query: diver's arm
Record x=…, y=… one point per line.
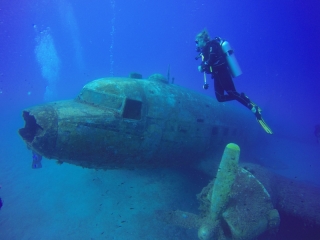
x=204, y=66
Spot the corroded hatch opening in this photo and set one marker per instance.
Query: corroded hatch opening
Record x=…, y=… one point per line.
x=132, y=109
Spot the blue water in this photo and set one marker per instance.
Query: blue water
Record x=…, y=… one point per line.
x=50, y=49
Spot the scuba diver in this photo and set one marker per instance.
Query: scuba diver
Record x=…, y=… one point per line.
x=218, y=60
x=36, y=160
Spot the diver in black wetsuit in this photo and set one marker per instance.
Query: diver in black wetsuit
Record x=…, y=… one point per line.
x=219, y=61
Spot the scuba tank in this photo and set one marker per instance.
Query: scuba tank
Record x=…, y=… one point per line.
x=234, y=67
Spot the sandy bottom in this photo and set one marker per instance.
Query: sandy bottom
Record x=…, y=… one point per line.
x=69, y=202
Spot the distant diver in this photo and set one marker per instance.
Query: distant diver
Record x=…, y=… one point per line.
x=219, y=61
x=36, y=160
x=317, y=132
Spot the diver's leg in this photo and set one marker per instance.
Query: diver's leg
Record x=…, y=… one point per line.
x=219, y=92
x=224, y=82
x=251, y=105
x=229, y=87
x=219, y=79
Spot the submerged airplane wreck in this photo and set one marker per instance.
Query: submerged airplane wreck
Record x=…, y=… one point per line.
x=148, y=123
x=128, y=123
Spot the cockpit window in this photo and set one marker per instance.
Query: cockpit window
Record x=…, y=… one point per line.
x=132, y=109
x=101, y=100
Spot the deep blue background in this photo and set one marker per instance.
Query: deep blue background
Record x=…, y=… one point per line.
x=276, y=44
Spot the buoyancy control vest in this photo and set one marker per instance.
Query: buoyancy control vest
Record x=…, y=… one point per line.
x=218, y=52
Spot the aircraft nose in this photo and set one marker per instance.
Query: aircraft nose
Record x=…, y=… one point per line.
x=40, y=130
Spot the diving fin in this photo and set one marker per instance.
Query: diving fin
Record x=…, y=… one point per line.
x=257, y=112
x=265, y=126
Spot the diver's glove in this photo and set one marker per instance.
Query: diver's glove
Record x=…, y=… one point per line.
x=200, y=69
x=205, y=86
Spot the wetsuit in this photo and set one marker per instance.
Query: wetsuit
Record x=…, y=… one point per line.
x=215, y=63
